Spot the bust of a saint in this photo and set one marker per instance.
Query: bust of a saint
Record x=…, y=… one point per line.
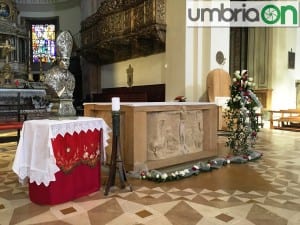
x=59, y=79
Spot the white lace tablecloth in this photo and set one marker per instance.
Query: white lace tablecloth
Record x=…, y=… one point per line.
x=34, y=157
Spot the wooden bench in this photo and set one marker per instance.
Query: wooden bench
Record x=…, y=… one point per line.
x=11, y=119
x=286, y=119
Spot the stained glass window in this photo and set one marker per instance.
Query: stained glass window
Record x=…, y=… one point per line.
x=43, y=43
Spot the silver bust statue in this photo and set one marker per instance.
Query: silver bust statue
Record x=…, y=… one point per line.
x=60, y=80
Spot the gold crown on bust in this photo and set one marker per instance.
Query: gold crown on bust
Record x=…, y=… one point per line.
x=64, y=44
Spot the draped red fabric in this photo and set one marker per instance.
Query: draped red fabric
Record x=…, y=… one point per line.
x=81, y=181
x=73, y=150
x=78, y=157
x=90, y=146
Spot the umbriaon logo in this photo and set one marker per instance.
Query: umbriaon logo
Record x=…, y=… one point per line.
x=242, y=13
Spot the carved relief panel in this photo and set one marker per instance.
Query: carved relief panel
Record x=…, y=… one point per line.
x=175, y=133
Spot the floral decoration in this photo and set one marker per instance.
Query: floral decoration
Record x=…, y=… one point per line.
x=197, y=168
x=240, y=116
x=180, y=98
x=71, y=151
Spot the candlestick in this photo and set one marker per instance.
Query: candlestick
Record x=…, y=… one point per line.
x=116, y=162
x=115, y=103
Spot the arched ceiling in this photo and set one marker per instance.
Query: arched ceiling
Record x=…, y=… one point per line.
x=45, y=5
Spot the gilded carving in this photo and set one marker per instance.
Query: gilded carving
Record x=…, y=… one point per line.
x=118, y=23
x=138, y=16
x=138, y=24
x=149, y=12
x=8, y=10
x=172, y=134
x=160, y=12
x=127, y=20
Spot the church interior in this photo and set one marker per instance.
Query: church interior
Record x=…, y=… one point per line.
x=148, y=99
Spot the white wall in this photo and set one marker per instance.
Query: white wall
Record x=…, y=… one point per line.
x=283, y=79
x=69, y=19
x=90, y=8
x=201, y=56
x=147, y=70
x=175, y=49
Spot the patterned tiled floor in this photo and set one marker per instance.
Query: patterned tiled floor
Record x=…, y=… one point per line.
x=262, y=192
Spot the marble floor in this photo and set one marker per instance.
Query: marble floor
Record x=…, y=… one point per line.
x=262, y=192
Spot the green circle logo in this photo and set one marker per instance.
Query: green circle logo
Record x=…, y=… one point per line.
x=270, y=14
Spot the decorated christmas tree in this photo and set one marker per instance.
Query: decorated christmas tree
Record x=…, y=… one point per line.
x=241, y=117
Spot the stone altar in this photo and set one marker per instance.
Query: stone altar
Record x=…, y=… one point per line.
x=161, y=134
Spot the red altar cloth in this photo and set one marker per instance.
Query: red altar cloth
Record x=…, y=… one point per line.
x=78, y=157
x=61, y=158
x=81, y=181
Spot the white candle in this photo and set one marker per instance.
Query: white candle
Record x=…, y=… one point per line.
x=115, y=103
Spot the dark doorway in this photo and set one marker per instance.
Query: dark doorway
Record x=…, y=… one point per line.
x=238, y=49
x=75, y=69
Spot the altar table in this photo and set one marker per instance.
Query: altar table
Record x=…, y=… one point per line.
x=154, y=135
x=61, y=158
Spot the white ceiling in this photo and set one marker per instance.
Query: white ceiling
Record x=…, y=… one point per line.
x=45, y=5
